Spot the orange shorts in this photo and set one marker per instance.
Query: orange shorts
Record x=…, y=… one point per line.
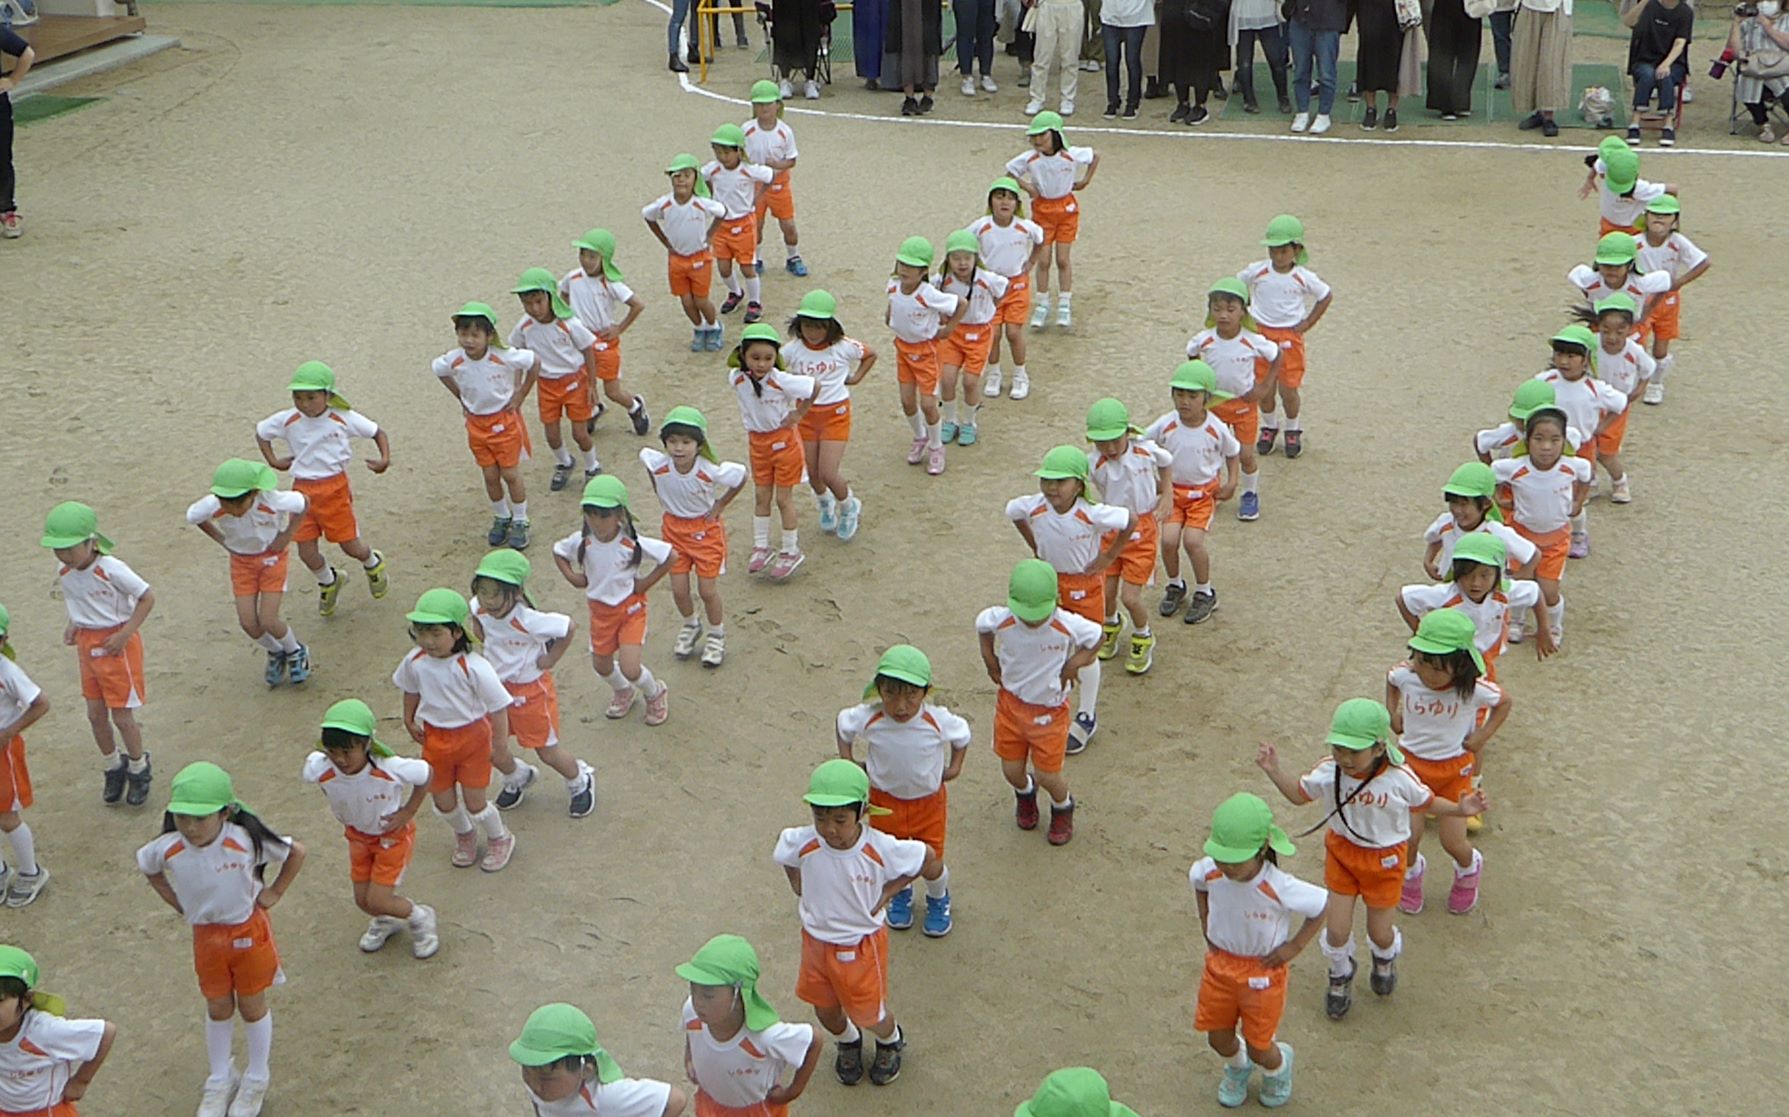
x=1664, y=318
x=60, y=1109
x=917, y=363
x=1083, y=594
x=1240, y=989
x=460, y=756
x=380, y=858
x=1194, y=505
x=827, y=422
x=608, y=359
x=1136, y=563
x=776, y=458
x=331, y=512
x=1448, y=779
x=1023, y=731
x=1291, y=345
x=1014, y=306
x=692, y=275
x=1553, y=546
x=854, y=978
x=708, y=1107
x=1608, y=440
x=534, y=716
x=567, y=396
x=252, y=575
x=701, y=545
x=966, y=347
x=1060, y=218
x=736, y=238
x=15, y=778
x=240, y=959
x=117, y=680
x=1375, y=875
x=778, y=199
x=500, y=440
x=1243, y=419
x=611, y=626
x=1605, y=227
x=922, y=820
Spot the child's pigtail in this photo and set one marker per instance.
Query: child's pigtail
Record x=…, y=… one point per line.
x=633, y=535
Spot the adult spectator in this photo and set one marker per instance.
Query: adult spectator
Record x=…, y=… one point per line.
x=1093, y=39
x=868, y=20
x=796, y=30
x=1123, y=25
x=1316, y=36
x=910, y=50
x=1656, y=60
x=1193, y=34
x=1379, y=66
x=1252, y=22
x=1503, y=22
x=11, y=225
x=1769, y=29
x=1541, y=62
x=975, y=43
x=1454, y=40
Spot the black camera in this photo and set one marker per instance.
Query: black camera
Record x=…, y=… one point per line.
x=1745, y=10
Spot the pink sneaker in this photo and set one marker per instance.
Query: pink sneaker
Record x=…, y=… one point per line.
x=935, y=461
x=658, y=707
x=1410, y=900
x=760, y=557
x=1463, y=897
x=784, y=565
x=497, y=852
x=465, y=849
x=621, y=703
x=917, y=452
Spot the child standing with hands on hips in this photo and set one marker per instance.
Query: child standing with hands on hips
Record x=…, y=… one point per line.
x=1549, y=487
x=1287, y=300
x=1051, y=173
x=22, y=705
x=964, y=351
x=567, y=352
x=1661, y=246
x=596, y=294
x=735, y=1046
x=46, y=1062
x=1011, y=247
x=737, y=184
x=491, y=383
x=695, y=487
x=684, y=222
x=919, y=314
x=1246, y=366
x=773, y=403
x=253, y=521
x=1132, y=473
x=818, y=347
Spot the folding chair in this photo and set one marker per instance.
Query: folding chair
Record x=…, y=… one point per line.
x=822, y=60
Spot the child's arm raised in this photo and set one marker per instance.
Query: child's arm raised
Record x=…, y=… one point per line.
x=783, y=1095
x=1267, y=758
x=288, y=872
x=714, y=512
x=76, y=1087
x=115, y=643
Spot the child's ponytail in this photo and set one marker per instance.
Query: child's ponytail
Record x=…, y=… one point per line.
x=633, y=535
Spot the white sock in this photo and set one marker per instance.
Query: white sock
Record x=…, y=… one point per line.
x=110, y=760
x=707, y=324
x=792, y=251
x=1061, y=804
x=1661, y=368
x=1030, y=787
x=616, y=680
x=590, y=462
x=1240, y=1060
x=260, y=1048
x=218, y=1035
x=457, y=819
x=731, y=279
x=1416, y=867
x=753, y=288
x=791, y=543
x=490, y=820
x=970, y=413
x=1388, y=953
x=1580, y=522
x=1270, y=421
x=1478, y=861
x=761, y=531
x=24, y=849
x=646, y=683
x=1019, y=370
x=693, y=622
x=1251, y=483
x=562, y=456
x=500, y=509
x=718, y=629
x=950, y=410
x=1293, y=423
x=1089, y=688
x=1556, y=617
x=585, y=772
x=918, y=423
x=271, y=643
x=1181, y=582
x=1066, y=298
x=935, y=434
x=136, y=765
x=637, y=406
x=519, y=510
x=324, y=576
x=940, y=888
x=289, y=642
x=1202, y=587
x=849, y=1035
x=1341, y=958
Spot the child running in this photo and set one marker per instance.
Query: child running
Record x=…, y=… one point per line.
x=524, y=644
x=695, y=486
x=253, y=521
x=1549, y=487
x=919, y=314
x=107, y=604
x=1477, y=584
x=456, y=708
x=1204, y=456
x=1245, y=365
x=964, y=350
x=1372, y=797
x=375, y=794
x=596, y=294
x=1035, y=651
x=566, y=350
x=773, y=403
x=846, y=873
x=1287, y=300
x=1622, y=195
x=818, y=347
x=684, y=222
x=1623, y=364
x=1051, y=173
x=1661, y=246
x=1246, y=905
x=1080, y=540
x=603, y=558
x=1011, y=247
x=209, y=865
x=1590, y=406
x=22, y=705
x=491, y=383
x=735, y=1046
x=47, y=1062
x=770, y=142
x=1135, y=474
x=1469, y=494
x=912, y=749
x=737, y=184
x=317, y=430
x=568, y=1074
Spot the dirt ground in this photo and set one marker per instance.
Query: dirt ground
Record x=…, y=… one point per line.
x=305, y=182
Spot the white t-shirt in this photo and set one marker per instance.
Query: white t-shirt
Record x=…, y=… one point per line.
x=764, y=144
x=1625, y=370
x=1007, y=248
x=692, y=494
x=1446, y=531
x=1198, y=452
x=1641, y=286
x=609, y=567
x=1132, y=480
x=764, y=411
x=1677, y=257
x=916, y=317
x=487, y=384
x=1543, y=498
x=624, y=1097
x=741, y=1071
x=102, y=596
x=17, y=692
x=594, y=299
x=1617, y=210
x=736, y=189
x=1437, y=723
x=1281, y=299
x=215, y=883
x=984, y=297
x=1253, y=917
x=1233, y=360
x=1585, y=400
x=456, y=691
x=36, y=1064
x=828, y=366
x=1490, y=617
x=1500, y=441
x=319, y=446
x=1377, y=818
x=685, y=226
x=253, y=532
x=840, y=887
x=905, y=759
x=560, y=344
x=515, y=641
x=362, y=801
x=1031, y=658
x=1053, y=175
x=1068, y=541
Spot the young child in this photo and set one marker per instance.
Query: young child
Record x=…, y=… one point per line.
x=107, y=604
x=1624, y=365
x=456, y=708
x=523, y=645
x=912, y=749
x=1080, y=540
x=819, y=348
x=491, y=383
x=568, y=1074
x=1246, y=366
x=1246, y=905
x=1204, y=456
x=1010, y=246
x=919, y=314
x=1548, y=487
x=1589, y=406
x=1035, y=651
x=1622, y=195
x=964, y=350
x=770, y=142
x=684, y=222
x=602, y=558
x=737, y=184
x=1287, y=300
x=1444, y=712
x=845, y=873
x=1616, y=269
x=1660, y=246
x=1371, y=797
x=1500, y=441
x=1073, y=1092
x=1134, y=474
x=1471, y=509
x=566, y=350
x=318, y=429
x=1051, y=173
x=773, y=403
x=375, y=794
x=735, y=1046
x=253, y=521
x=695, y=486
x=596, y=294
x=47, y=1063
x=22, y=705
x=1476, y=583
x=209, y=865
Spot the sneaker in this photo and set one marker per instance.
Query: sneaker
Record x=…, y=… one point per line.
x=1461, y=898
x=1249, y=509
x=968, y=87
x=1689, y=95
x=658, y=707
x=1353, y=92
x=379, y=932
x=714, y=650
x=1066, y=108
x=1384, y=977
x=249, y=1097
x=967, y=434
x=425, y=938
x=811, y=90
x=621, y=703
x=698, y=340
x=1410, y=899
x=1109, y=645
x=1340, y=997
x=1530, y=122
x=1025, y=809
x=947, y=432
x=561, y=475
x=715, y=339
x=1129, y=113
x=498, y=851
x=1142, y=656
x=1089, y=66
x=640, y=417
x=1668, y=137
x=1233, y=1090
x=850, y=510
x=796, y=266
x=909, y=107
x=518, y=535
x=298, y=665
x=137, y=784
x=754, y=312
x=1391, y=120
x=1502, y=82
x=1580, y=547
x=687, y=635
x=465, y=849
x=785, y=88
x=916, y=453
x=24, y=888
x=1320, y=125
x=1080, y=732
x=1033, y=106
x=512, y=794
x=1111, y=112
x=886, y=1067
x=926, y=104
x=1172, y=598
x=1202, y=606
x=900, y=909
x=326, y=595
x=1276, y=1088
x=1040, y=317
x=114, y=787
x=1294, y=443
x=990, y=383
x=987, y=85
x=1517, y=632
x=276, y=668
x=1264, y=441
x=734, y=298
x=938, y=921
x=1619, y=493
x=759, y=560
x=1633, y=135
x=785, y=562
x=583, y=800
x=1198, y=116
x=216, y=1098
x=1180, y=113
x=935, y=461
x=1369, y=120
x=12, y=226
x=1062, y=823
x=376, y=580
x=1064, y=316
x=848, y=1063
x=1654, y=394
x=1549, y=128
x=1021, y=386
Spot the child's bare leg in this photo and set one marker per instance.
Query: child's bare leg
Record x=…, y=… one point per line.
x=706, y=308
x=580, y=434
x=928, y=406
x=129, y=732
x=222, y=1008
x=883, y=1028
x=971, y=392
x=99, y=719
x=555, y=436
x=910, y=399
x=947, y=383
x=1338, y=922
x=502, y=758
x=493, y=483
x=1200, y=554
x=1065, y=269
x=680, y=596
x=1131, y=596
x=692, y=309
x=761, y=500
x=559, y=760
x=832, y=1018
x=1016, y=774
x=1112, y=602
x=710, y=589
x=1015, y=341
x=791, y=239
x=1612, y=463
x=832, y=457
x=1171, y=536
x=1270, y=421
x=381, y=899
x=355, y=548
x=251, y=1007
x=474, y=798
x=1549, y=590
x=248, y=615
x=267, y=615
x=785, y=506
x=1382, y=934
x=311, y=554
x=1040, y=282
x=618, y=394
x=518, y=489
x=1454, y=840
x=1055, y=783
x=1292, y=398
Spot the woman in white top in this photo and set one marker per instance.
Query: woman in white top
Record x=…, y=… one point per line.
x=1258, y=21
x=1767, y=30
x=1123, y=23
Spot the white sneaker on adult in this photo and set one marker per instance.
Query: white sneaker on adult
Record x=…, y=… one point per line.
x=987, y=85
x=1034, y=106
x=785, y=88
x=1021, y=385
x=1066, y=108
x=968, y=86
x=811, y=91
x=1301, y=122
x=1320, y=125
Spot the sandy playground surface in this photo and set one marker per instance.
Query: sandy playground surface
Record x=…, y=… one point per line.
x=302, y=182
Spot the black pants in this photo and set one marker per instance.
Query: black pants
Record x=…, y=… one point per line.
x=8, y=181
x=1273, y=49
x=1454, y=41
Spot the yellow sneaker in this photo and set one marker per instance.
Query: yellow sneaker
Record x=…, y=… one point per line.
x=1109, y=646
x=375, y=576
x=326, y=595
x=1142, y=656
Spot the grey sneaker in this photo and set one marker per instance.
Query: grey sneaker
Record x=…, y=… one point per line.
x=583, y=800
x=1171, y=600
x=114, y=789
x=379, y=932
x=137, y=783
x=499, y=531
x=518, y=535
x=24, y=889
x=1202, y=607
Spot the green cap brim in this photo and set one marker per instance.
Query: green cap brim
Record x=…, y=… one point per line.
x=1032, y=614
x=429, y=618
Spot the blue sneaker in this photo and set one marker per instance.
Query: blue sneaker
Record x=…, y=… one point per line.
x=1276, y=1088
x=276, y=668
x=966, y=434
x=948, y=432
x=698, y=340
x=937, y=923
x=829, y=513
x=1250, y=508
x=849, y=510
x=716, y=337
x=900, y=909
x=298, y=664
x=1234, y=1089
x=796, y=267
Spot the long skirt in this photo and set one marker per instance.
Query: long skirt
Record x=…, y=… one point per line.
x=1454, y=41
x=868, y=18
x=1541, y=61
x=914, y=40
x=795, y=31
x=1376, y=55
